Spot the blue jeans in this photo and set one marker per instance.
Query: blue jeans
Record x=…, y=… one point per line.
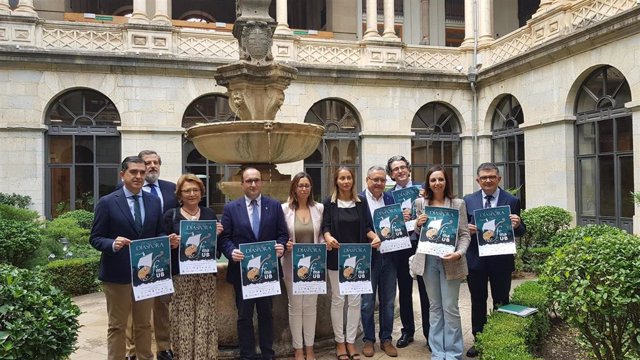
x=383, y=281
x=445, y=332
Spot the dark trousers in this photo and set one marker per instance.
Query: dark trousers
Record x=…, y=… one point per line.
x=478, y=280
x=405, y=289
x=246, y=339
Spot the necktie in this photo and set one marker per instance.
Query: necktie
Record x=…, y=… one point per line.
x=255, y=218
x=487, y=203
x=152, y=187
x=137, y=214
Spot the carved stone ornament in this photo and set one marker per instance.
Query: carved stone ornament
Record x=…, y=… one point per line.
x=254, y=30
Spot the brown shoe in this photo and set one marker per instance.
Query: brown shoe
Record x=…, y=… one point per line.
x=368, y=350
x=388, y=348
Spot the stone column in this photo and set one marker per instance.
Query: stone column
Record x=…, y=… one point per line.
x=424, y=23
x=372, y=21
x=282, y=18
x=485, y=21
x=544, y=4
x=4, y=7
x=469, y=21
x=389, y=21
x=25, y=8
x=161, y=17
x=139, y=15
x=634, y=106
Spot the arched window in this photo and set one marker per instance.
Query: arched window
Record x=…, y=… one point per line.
x=207, y=109
x=436, y=142
x=340, y=145
x=507, y=145
x=83, y=150
x=604, y=150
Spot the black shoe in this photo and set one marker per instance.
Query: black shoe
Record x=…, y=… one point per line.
x=130, y=357
x=472, y=352
x=404, y=340
x=165, y=355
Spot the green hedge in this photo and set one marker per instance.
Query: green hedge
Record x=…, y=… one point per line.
x=74, y=276
x=11, y=212
x=19, y=240
x=83, y=217
x=37, y=321
x=21, y=201
x=510, y=337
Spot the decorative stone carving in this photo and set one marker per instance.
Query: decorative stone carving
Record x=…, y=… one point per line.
x=254, y=30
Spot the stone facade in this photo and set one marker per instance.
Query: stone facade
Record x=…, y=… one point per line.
x=152, y=74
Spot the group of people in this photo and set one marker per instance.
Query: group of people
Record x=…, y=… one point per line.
x=148, y=207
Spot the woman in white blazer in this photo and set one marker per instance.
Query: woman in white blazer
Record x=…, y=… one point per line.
x=304, y=221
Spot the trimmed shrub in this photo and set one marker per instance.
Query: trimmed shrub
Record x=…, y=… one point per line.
x=74, y=276
x=20, y=201
x=10, y=212
x=68, y=228
x=84, y=218
x=536, y=258
x=510, y=337
x=18, y=241
x=566, y=236
x=595, y=284
x=542, y=223
x=37, y=321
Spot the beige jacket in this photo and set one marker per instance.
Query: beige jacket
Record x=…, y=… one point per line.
x=289, y=217
x=453, y=269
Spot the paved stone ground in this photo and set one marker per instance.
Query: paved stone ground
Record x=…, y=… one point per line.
x=92, y=340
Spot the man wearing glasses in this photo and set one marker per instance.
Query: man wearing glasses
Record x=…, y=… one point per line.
x=399, y=170
x=489, y=269
x=383, y=275
x=252, y=218
x=165, y=191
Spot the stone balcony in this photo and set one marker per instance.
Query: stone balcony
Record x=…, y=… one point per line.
x=215, y=45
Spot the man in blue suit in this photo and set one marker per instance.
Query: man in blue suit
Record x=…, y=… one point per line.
x=241, y=219
x=125, y=215
x=166, y=192
x=383, y=274
x=497, y=269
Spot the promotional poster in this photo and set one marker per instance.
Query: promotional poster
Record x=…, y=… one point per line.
x=151, y=267
x=439, y=234
x=309, y=269
x=197, y=252
x=354, y=269
x=495, y=233
x=259, y=270
x=390, y=227
x=405, y=197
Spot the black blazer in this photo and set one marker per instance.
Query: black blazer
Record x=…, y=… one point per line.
x=113, y=218
x=171, y=225
x=388, y=200
x=330, y=222
x=168, y=190
x=501, y=263
x=237, y=230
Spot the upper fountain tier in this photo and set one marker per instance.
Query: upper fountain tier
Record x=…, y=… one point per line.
x=255, y=87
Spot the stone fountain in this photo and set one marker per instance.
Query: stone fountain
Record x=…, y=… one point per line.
x=256, y=87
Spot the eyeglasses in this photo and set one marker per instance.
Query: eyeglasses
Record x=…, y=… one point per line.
x=251, y=181
x=304, y=186
x=378, y=180
x=488, y=178
x=190, y=191
x=398, y=168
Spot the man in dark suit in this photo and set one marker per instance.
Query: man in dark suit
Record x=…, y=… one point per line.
x=399, y=170
x=497, y=269
x=125, y=215
x=166, y=192
x=241, y=219
x=383, y=275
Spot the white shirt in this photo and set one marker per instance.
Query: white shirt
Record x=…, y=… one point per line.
x=373, y=202
x=494, y=201
x=409, y=184
x=247, y=201
x=147, y=188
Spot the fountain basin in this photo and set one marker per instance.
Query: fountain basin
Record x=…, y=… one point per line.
x=255, y=141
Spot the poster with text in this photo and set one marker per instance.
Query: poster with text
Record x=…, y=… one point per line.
x=150, y=267
x=390, y=227
x=197, y=252
x=354, y=269
x=309, y=269
x=494, y=231
x=439, y=234
x=405, y=197
x=259, y=270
